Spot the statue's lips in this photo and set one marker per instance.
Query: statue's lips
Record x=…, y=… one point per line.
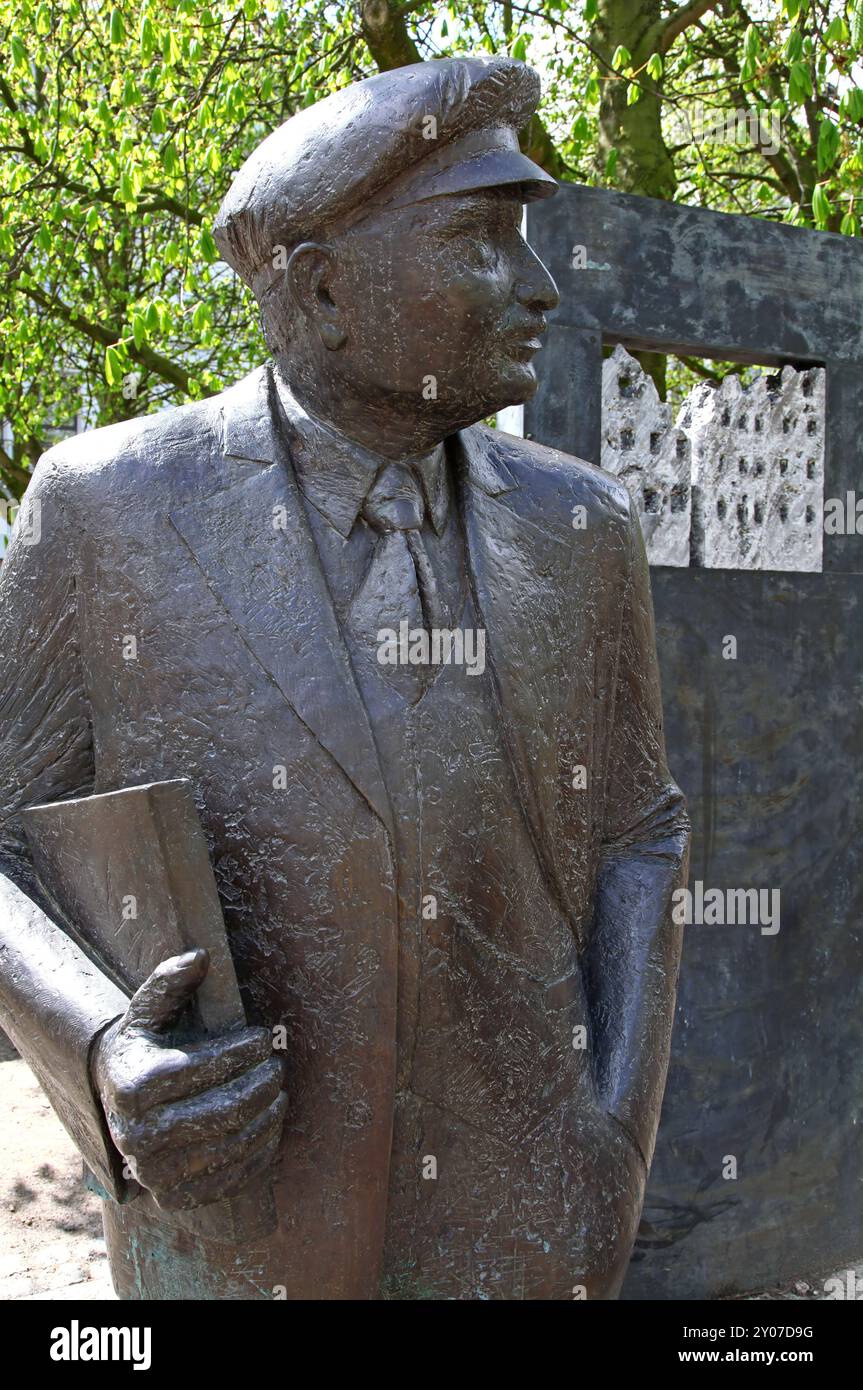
x=525, y=339
x=523, y=346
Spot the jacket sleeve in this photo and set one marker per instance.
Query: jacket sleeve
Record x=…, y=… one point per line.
x=634, y=952
x=54, y=1002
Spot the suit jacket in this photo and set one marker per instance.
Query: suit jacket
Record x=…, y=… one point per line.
x=186, y=532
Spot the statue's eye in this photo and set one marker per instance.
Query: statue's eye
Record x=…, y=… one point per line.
x=475, y=250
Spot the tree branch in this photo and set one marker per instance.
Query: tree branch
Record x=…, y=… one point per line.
x=153, y=361
x=538, y=145
x=386, y=34
x=680, y=19
x=17, y=476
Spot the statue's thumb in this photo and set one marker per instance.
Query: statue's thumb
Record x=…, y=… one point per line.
x=164, y=995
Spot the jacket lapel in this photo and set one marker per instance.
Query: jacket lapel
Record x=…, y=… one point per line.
x=520, y=572
x=253, y=543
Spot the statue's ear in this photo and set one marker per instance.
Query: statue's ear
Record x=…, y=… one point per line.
x=308, y=274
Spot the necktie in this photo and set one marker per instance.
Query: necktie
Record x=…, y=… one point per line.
x=400, y=584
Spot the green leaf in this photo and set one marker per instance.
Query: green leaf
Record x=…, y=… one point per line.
x=793, y=46
x=519, y=48
x=209, y=249
x=852, y=104
x=857, y=23
x=202, y=317
x=611, y=164
x=43, y=20
x=621, y=58
x=592, y=91
x=151, y=319
x=750, y=42
x=828, y=144
x=172, y=50
x=18, y=51
x=821, y=205
x=158, y=124
x=139, y=330
x=113, y=366
x=590, y=11
x=837, y=31
x=633, y=94
x=800, y=83
x=117, y=28
x=654, y=66
x=148, y=36
x=849, y=225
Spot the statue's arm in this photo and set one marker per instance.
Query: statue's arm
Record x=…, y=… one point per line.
x=634, y=952
x=195, y=1121
x=54, y=1003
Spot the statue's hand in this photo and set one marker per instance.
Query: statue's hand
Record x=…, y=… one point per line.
x=194, y=1121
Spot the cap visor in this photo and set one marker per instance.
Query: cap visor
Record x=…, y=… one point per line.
x=492, y=169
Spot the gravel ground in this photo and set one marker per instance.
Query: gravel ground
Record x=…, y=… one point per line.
x=51, y=1244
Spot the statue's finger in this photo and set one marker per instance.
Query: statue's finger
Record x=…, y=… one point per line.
x=164, y=995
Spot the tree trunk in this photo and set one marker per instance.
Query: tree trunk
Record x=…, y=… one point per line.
x=643, y=165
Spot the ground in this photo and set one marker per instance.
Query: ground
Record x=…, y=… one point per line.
x=51, y=1244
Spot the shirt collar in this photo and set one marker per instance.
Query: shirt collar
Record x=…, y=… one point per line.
x=336, y=473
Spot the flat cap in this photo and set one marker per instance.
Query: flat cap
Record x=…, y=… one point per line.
x=416, y=132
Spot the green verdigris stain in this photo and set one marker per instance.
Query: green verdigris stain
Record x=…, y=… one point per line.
x=405, y=1285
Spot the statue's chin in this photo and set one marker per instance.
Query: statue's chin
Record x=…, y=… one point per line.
x=519, y=385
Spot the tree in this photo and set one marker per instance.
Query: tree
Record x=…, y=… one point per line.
x=119, y=129
x=120, y=126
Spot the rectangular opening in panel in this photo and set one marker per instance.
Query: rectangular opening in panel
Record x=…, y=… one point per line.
x=727, y=472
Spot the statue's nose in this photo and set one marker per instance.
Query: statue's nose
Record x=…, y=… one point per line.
x=536, y=289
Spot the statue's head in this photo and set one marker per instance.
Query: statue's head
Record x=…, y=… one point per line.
x=380, y=233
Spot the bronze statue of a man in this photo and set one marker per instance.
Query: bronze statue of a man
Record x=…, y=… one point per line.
x=407, y=664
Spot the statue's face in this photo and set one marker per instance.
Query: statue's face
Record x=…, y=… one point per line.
x=442, y=305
